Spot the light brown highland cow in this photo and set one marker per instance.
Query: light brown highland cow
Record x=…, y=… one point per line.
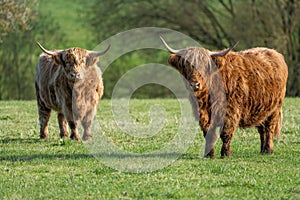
x=69, y=82
x=234, y=89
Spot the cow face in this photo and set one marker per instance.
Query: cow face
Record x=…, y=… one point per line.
x=74, y=60
x=191, y=60
x=195, y=63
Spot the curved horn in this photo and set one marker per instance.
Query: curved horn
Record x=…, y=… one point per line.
x=224, y=52
x=51, y=53
x=100, y=53
x=169, y=48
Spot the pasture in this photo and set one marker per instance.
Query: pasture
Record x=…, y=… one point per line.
x=63, y=169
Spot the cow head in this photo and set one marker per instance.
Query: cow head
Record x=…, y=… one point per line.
x=194, y=63
x=74, y=60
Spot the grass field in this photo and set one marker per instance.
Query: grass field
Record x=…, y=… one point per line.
x=31, y=168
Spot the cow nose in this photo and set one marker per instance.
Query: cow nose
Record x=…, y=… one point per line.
x=75, y=75
x=78, y=76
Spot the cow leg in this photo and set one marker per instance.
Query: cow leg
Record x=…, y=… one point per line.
x=266, y=140
x=208, y=133
x=63, y=125
x=211, y=137
x=87, y=130
x=279, y=124
x=263, y=137
x=74, y=132
x=44, y=115
x=72, y=119
x=267, y=131
x=226, y=135
x=86, y=123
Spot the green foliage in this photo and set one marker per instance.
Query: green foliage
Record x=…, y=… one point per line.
x=63, y=169
x=272, y=24
x=194, y=18
x=214, y=24
x=19, y=56
x=49, y=22
x=70, y=17
x=14, y=16
x=136, y=59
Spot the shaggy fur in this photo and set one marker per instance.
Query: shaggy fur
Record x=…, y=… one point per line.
x=71, y=84
x=240, y=89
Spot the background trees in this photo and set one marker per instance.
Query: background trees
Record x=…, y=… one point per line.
x=14, y=15
x=274, y=24
x=215, y=24
x=19, y=53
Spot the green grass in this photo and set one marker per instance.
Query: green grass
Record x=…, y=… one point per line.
x=31, y=168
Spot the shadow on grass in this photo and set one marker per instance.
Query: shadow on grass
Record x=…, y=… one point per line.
x=43, y=156
x=20, y=140
x=39, y=156
x=75, y=156
x=17, y=158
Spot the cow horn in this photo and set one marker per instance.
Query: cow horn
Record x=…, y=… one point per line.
x=224, y=52
x=169, y=48
x=51, y=53
x=100, y=53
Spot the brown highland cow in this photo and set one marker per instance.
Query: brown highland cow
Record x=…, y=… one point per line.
x=69, y=82
x=234, y=89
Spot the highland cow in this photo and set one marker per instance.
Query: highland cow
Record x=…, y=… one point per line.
x=69, y=82
x=234, y=89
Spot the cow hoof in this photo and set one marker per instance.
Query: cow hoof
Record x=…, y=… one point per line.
x=226, y=152
x=267, y=151
x=44, y=136
x=86, y=137
x=64, y=135
x=210, y=154
x=75, y=137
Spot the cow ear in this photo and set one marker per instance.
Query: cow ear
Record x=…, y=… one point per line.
x=91, y=60
x=58, y=59
x=56, y=55
x=92, y=57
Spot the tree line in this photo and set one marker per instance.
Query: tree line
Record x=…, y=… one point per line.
x=213, y=23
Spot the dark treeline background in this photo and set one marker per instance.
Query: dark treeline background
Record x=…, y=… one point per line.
x=215, y=24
